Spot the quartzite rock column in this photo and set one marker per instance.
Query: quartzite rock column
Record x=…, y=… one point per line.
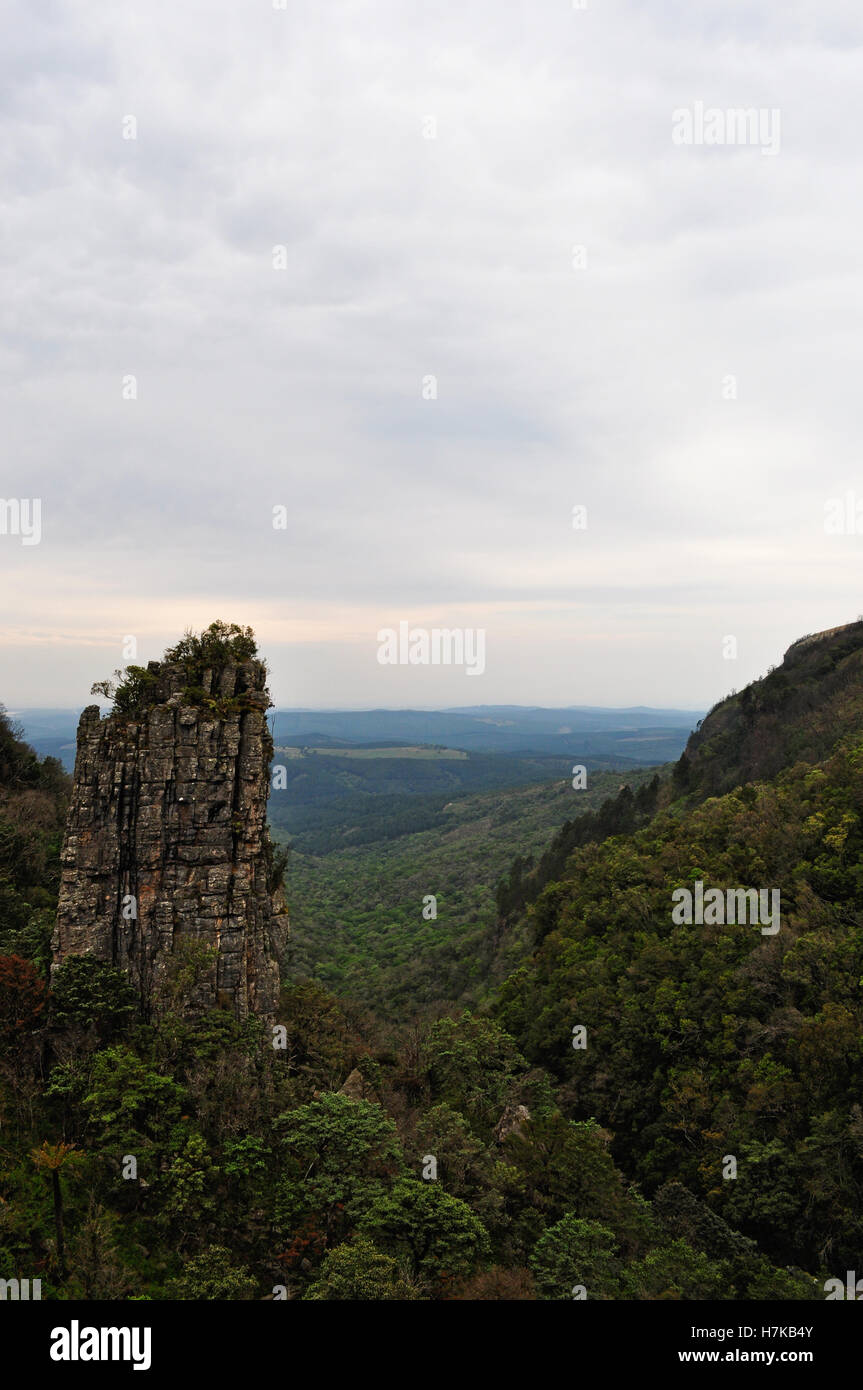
x=167, y=849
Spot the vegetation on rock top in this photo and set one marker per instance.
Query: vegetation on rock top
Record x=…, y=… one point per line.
x=221, y=645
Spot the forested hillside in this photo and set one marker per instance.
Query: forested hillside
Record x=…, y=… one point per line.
x=716, y=1040
x=33, y=799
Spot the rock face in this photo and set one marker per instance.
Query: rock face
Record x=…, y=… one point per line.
x=514, y=1117
x=167, y=862
x=356, y=1088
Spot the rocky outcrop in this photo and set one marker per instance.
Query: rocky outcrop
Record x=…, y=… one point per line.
x=799, y=647
x=167, y=866
x=355, y=1087
x=514, y=1118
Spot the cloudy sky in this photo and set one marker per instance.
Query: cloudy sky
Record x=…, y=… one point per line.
x=429, y=277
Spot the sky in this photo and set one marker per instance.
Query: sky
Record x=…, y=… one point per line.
x=413, y=282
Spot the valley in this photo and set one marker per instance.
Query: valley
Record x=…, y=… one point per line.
x=485, y=966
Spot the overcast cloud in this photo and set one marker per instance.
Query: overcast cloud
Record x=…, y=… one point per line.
x=406, y=257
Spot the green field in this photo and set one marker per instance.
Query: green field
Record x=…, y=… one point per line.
x=425, y=751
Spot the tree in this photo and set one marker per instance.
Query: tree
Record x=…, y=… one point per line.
x=247, y=1163
x=190, y=1183
x=22, y=1000
x=92, y=994
x=462, y=1159
x=128, y=1102
x=441, y=1236
x=676, y=1271
x=97, y=1270
x=188, y=966
x=472, y=1063
x=217, y=645
x=320, y=1046
x=211, y=1276
x=567, y=1169
x=130, y=690
x=50, y=1159
x=337, y=1154
x=358, y=1270
x=576, y=1254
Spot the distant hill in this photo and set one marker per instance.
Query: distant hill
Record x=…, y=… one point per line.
x=627, y=736
x=641, y=735
x=50, y=732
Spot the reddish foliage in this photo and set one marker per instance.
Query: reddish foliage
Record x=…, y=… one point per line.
x=22, y=999
x=307, y=1242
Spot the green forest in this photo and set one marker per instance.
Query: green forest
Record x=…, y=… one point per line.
x=357, y=921
x=549, y=1091
x=338, y=799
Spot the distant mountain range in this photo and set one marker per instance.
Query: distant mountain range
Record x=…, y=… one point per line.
x=637, y=734
x=500, y=729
